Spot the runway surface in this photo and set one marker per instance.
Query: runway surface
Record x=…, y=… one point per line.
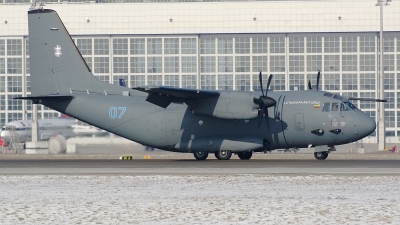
x=194, y=167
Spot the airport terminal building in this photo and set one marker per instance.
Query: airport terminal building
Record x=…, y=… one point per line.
x=217, y=45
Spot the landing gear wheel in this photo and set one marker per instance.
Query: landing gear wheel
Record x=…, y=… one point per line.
x=200, y=155
x=245, y=155
x=321, y=155
x=223, y=155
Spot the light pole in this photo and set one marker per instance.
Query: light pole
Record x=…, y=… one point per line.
x=381, y=108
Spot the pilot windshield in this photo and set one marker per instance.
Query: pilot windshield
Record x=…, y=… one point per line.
x=351, y=106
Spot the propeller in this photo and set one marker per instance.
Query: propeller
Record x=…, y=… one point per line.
x=318, y=77
x=264, y=102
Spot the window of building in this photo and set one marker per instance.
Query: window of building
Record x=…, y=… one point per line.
x=14, y=47
x=2, y=47
x=389, y=81
x=260, y=45
x=101, y=46
x=225, y=82
x=85, y=46
x=117, y=77
x=207, y=64
x=12, y=116
x=331, y=44
x=296, y=63
x=207, y=82
x=14, y=104
x=138, y=64
x=242, y=45
x=367, y=62
x=155, y=80
x=120, y=65
x=138, y=46
x=3, y=102
x=331, y=63
x=278, y=83
x=349, y=44
x=314, y=63
x=390, y=104
x=225, y=45
x=390, y=119
x=189, y=45
x=171, y=64
x=349, y=62
x=171, y=46
x=277, y=63
x=171, y=80
x=189, y=64
x=138, y=81
x=101, y=64
x=26, y=47
x=296, y=82
x=296, y=45
x=367, y=81
x=14, y=83
x=242, y=82
x=388, y=62
x=14, y=65
x=189, y=81
x=260, y=63
x=2, y=65
x=349, y=82
x=277, y=44
x=367, y=44
x=28, y=85
x=332, y=81
x=154, y=46
x=314, y=44
x=242, y=63
x=225, y=64
x=120, y=46
x=154, y=64
x=388, y=44
x=207, y=45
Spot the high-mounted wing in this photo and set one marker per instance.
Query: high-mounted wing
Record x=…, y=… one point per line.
x=163, y=96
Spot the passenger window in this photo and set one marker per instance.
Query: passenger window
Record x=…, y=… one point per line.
x=326, y=107
x=335, y=107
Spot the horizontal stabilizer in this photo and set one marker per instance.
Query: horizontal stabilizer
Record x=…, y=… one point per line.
x=163, y=96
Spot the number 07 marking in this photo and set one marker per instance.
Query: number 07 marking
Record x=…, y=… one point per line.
x=113, y=112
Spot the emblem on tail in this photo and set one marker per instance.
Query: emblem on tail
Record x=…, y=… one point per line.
x=57, y=51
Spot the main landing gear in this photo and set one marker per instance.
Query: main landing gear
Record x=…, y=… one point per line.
x=321, y=155
x=223, y=155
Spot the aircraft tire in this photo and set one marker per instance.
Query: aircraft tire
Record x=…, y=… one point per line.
x=200, y=155
x=245, y=155
x=223, y=155
x=321, y=155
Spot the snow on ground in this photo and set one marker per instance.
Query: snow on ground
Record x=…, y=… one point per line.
x=214, y=199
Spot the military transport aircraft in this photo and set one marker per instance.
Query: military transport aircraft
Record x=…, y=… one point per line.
x=186, y=120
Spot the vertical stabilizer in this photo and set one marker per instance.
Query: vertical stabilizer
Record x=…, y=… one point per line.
x=57, y=67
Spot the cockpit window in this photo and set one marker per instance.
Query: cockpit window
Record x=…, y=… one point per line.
x=343, y=107
x=335, y=107
x=351, y=106
x=326, y=107
x=338, y=97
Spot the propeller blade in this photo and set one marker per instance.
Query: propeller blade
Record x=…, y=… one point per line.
x=309, y=85
x=261, y=118
x=368, y=99
x=261, y=84
x=266, y=118
x=318, y=76
x=269, y=83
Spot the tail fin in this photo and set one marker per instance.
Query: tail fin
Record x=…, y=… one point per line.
x=57, y=67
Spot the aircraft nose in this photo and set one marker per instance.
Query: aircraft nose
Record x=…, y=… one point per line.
x=367, y=124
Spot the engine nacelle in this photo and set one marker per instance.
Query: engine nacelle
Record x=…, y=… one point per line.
x=229, y=105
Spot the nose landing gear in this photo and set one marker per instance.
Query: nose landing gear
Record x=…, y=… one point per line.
x=321, y=155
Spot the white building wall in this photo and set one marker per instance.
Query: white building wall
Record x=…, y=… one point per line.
x=211, y=17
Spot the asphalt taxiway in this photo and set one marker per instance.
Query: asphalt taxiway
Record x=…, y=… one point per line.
x=194, y=167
